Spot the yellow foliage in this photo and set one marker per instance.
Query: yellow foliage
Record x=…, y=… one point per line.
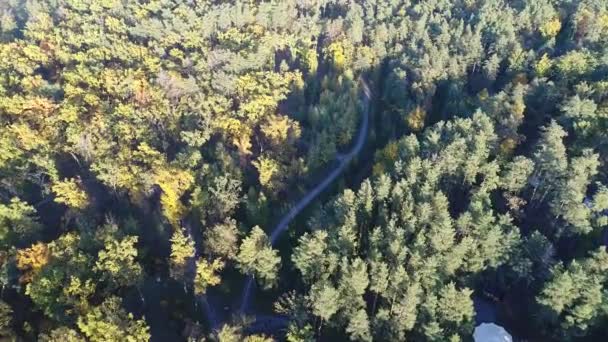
x=260, y=92
x=69, y=192
x=182, y=248
x=390, y=152
x=340, y=53
x=385, y=157
x=267, y=168
x=415, y=119
x=508, y=145
x=258, y=108
x=574, y=63
x=483, y=95
x=11, y=105
x=31, y=83
x=258, y=338
x=173, y=182
x=543, y=65
x=604, y=21
x=80, y=291
x=311, y=60
x=378, y=169
x=243, y=143
x=233, y=36
x=91, y=100
x=518, y=110
x=551, y=28
x=279, y=128
x=367, y=54
x=31, y=260
x=36, y=106
x=148, y=155
x=206, y=274
x=257, y=30
x=26, y=138
x=176, y=53
x=237, y=131
x=115, y=25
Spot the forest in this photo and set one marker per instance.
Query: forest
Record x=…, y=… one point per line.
x=303, y=170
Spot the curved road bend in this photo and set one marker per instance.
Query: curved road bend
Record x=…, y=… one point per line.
x=343, y=161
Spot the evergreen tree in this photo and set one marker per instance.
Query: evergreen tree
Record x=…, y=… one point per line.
x=256, y=257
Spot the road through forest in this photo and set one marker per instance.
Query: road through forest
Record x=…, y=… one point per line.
x=269, y=321
x=343, y=161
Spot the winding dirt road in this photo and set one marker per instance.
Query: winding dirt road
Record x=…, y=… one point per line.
x=343, y=161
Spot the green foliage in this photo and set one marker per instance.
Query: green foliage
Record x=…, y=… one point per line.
x=295, y=334
x=575, y=295
x=161, y=114
x=574, y=64
x=18, y=223
x=182, y=250
x=6, y=318
x=516, y=175
x=61, y=334
x=221, y=240
x=63, y=287
x=312, y=257
x=256, y=257
x=324, y=298
x=400, y=240
x=234, y=333
x=117, y=263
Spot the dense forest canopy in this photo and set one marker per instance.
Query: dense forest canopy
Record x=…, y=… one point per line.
x=148, y=149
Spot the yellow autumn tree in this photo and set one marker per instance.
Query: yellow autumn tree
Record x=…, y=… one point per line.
x=277, y=129
x=70, y=193
x=415, y=119
x=310, y=58
x=604, y=22
x=237, y=131
x=340, y=52
x=259, y=93
x=258, y=338
x=508, y=145
x=543, y=65
x=206, y=274
x=173, y=182
x=25, y=137
x=182, y=249
x=31, y=260
x=267, y=168
x=551, y=28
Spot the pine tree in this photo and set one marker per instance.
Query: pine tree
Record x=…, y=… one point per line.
x=256, y=257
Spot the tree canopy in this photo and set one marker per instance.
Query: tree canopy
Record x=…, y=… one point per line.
x=149, y=150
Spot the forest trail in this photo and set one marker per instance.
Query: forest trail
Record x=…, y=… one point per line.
x=343, y=161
